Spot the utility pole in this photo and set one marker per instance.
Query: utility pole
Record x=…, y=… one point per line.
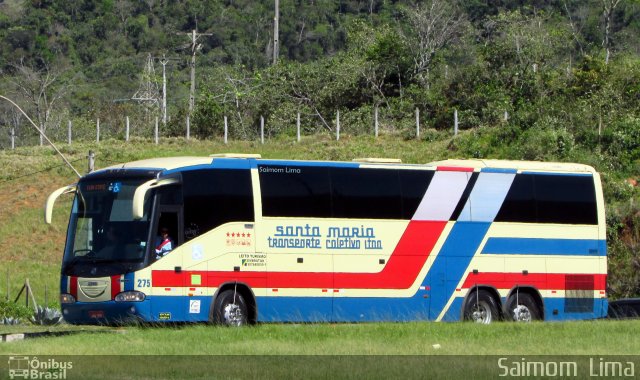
x=194, y=50
x=276, y=20
x=164, y=62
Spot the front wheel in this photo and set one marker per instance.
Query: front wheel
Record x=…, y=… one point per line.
x=481, y=307
x=230, y=309
x=523, y=308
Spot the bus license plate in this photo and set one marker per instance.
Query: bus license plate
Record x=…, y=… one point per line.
x=96, y=314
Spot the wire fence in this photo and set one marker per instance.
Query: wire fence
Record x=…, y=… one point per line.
x=129, y=128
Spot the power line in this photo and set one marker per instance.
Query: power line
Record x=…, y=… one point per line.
x=194, y=49
x=38, y=172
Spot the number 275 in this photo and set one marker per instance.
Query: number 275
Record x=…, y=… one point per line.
x=144, y=283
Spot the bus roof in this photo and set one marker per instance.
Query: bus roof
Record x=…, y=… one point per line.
x=177, y=163
x=518, y=165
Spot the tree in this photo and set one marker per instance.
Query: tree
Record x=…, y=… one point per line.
x=608, y=7
x=41, y=88
x=434, y=24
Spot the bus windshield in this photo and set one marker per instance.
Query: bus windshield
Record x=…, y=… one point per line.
x=103, y=238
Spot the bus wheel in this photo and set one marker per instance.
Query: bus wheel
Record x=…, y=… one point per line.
x=523, y=308
x=230, y=309
x=481, y=307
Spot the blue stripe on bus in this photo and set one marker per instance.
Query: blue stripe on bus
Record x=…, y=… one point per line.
x=129, y=281
x=487, y=197
x=232, y=163
x=376, y=309
x=217, y=163
x=454, y=312
x=532, y=246
x=452, y=262
x=64, y=282
x=305, y=309
x=499, y=170
x=550, y=305
x=600, y=306
x=295, y=309
x=353, y=165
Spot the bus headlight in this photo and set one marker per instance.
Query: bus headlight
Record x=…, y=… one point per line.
x=130, y=296
x=66, y=298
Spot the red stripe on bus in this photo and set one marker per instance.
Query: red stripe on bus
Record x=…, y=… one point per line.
x=544, y=281
x=401, y=271
x=454, y=169
x=73, y=286
x=405, y=263
x=115, y=286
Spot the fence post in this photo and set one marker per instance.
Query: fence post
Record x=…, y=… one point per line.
x=92, y=160
x=226, y=130
x=156, y=131
x=338, y=125
x=298, y=127
x=126, y=135
x=13, y=138
x=375, y=121
x=262, y=129
x=455, y=122
x=188, y=128
x=417, y=123
x=69, y=132
x=599, y=125
x=98, y=130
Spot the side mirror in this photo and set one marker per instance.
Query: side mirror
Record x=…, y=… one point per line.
x=51, y=200
x=141, y=192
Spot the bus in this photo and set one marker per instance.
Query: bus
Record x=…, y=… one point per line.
x=263, y=240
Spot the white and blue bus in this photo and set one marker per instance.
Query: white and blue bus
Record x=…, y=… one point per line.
x=258, y=240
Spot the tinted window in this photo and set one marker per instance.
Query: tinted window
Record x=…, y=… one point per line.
x=545, y=198
x=214, y=197
x=519, y=205
x=414, y=185
x=566, y=199
x=295, y=191
x=366, y=193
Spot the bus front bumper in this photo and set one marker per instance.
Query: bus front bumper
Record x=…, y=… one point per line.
x=106, y=313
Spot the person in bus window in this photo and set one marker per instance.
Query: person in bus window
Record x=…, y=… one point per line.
x=164, y=244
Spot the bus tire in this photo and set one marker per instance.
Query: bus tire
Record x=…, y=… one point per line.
x=230, y=309
x=522, y=307
x=481, y=307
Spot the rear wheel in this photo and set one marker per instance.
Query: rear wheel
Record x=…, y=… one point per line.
x=481, y=307
x=230, y=309
x=522, y=307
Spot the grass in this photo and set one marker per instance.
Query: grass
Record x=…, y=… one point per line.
x=415, y=338
x=353, y=351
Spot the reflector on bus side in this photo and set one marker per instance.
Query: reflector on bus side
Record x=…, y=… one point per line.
x=51, y=199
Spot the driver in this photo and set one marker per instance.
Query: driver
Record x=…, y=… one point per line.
x=164, y=244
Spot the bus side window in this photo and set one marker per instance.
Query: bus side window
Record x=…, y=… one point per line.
x=215, y=197
x=298, y=191
x=366, y=193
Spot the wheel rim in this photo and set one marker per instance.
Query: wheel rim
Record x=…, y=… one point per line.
x=233, y=315
x=522, y=314
x=481, y=313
